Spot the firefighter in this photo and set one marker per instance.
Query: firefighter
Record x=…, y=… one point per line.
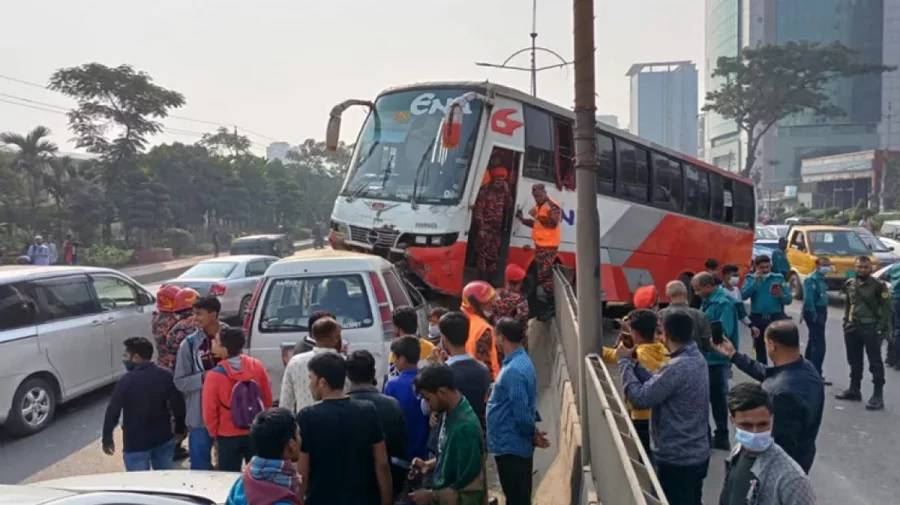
x=490, y=209
x=165, y=317
x=477, y=300
x=546, y=232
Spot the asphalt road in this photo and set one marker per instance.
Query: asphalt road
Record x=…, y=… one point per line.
x=857, y=458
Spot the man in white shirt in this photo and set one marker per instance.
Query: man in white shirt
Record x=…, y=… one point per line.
x=39, y=252
x=295, y=393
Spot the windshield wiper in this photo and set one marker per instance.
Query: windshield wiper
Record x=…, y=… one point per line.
x=415, y=190
x=279, y=326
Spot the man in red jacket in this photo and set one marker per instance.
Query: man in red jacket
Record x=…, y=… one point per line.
x=237, y=382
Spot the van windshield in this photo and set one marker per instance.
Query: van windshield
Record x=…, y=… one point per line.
x=290, y=301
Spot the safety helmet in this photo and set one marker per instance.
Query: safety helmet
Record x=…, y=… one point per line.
x=185, y=299
x=645, y=297
x=479, y=291
x=165, y=298
x=514, y=273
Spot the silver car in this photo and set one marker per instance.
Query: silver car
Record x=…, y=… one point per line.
x=62, y=334
x=230, y=278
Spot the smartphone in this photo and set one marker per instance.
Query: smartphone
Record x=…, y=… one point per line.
x=775, y=289
x=718, y=334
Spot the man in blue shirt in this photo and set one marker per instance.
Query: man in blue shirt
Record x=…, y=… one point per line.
x=402, y=387
x=768, y=293
x=780, y=264
x=815, y=311
x=512, y=414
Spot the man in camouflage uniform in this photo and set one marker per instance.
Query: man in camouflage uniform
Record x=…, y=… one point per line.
x=867, y=320
x=489, y=213
x=510, y=301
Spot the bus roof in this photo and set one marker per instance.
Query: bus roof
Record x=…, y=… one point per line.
x=491, y=89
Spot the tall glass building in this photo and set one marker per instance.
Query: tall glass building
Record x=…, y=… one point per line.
x=858, y=24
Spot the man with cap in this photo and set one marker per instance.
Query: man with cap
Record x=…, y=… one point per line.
x=510, y=301
x=38, y=252
x=545, y=220
x=490, y=209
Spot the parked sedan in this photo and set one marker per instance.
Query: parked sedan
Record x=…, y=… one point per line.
x=230, y=278
x=883, y=253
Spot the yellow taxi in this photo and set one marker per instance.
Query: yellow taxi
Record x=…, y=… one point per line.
x=839, y=244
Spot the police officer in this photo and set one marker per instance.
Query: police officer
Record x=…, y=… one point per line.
x=867, y=320
x=768, y=293
x=815, y=311
x=893, y=276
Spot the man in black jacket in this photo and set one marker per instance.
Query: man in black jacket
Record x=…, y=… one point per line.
x=148, y=400
x=363, y=386
x=796, y=388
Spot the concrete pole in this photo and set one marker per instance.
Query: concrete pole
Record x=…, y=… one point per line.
x=587, y=222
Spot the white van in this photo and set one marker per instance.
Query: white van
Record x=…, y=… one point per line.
x=361, y=290
x=62, y=334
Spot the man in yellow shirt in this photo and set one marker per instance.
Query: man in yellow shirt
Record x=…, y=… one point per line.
x=406, y=321
x=639, y=331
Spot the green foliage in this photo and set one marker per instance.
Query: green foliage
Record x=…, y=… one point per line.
x=226, y=142
x=766, y=84
x=181, y=241
x=105, y=256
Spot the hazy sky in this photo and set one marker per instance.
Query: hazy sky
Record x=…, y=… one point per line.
x=277, y=67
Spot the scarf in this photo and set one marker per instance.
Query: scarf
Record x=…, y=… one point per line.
x=268, y=481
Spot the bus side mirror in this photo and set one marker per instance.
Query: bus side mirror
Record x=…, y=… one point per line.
x=333, y=132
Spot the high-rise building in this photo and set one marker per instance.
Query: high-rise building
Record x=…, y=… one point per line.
x=869, y=27
x=608, y=119
x=890, y=85
x=664, y=103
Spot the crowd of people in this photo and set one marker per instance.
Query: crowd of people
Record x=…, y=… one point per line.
x=462, y=392
x=45, y=252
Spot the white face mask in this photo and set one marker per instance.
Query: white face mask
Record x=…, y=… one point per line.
x=734, y=280
x=826, y=270
x=754, y=442
x=434, y=332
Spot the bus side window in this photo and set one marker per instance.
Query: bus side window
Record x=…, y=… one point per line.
x=606, y=174
x=696, y=191
x=539, y=152
x=744, y=210
x=667, y=183
x=717, y=198
x=565, y=155
x=633, y=172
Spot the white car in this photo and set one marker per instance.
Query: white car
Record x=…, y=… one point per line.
x=361, y=290
x=174, y=487
x=62, y=334
x=230, y=278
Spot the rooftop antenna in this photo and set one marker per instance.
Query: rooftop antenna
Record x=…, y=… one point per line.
x=533, y=69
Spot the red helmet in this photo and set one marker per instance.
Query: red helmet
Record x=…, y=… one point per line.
x=185, y=299
x=165, y=298
x=479, y=291
x=645, y=297
x=514, y=273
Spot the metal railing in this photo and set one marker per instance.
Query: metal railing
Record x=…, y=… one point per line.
x=619, y=466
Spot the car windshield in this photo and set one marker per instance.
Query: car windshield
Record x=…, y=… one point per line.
x=399, y=151
x=766, y=234
x=210, y=270
x=872, y=241
x=290, y=301
x=837, y=243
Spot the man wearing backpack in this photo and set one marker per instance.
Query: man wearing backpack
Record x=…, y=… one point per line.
x=234, y=392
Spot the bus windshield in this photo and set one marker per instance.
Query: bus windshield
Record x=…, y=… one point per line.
x=399, y=157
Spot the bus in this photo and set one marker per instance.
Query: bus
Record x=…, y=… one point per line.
x=408, y=195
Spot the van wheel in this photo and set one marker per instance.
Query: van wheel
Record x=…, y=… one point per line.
x=33, y=407
x=242, y=308
x=796, y=286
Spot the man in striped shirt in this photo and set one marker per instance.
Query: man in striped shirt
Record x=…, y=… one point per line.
x=512, y=414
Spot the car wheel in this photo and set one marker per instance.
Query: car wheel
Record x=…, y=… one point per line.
x=33, y=407
x=796, y=286
x=242, y=309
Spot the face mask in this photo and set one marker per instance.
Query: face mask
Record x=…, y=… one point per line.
x=734, y=280
x=826, y=270
x=433, y=331
x=754, y=442
x=129, y=365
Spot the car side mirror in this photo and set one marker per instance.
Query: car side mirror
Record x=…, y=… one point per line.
x=144, y=299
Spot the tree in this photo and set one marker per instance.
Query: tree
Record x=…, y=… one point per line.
x=31, y=162
x=118, y=101
x=766, y=84
x=225, y=141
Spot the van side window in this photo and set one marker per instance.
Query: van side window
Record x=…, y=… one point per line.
x=17, y=308
x=539, y=152
x=606, y=173
x=114, y=293
x=799, y=241
x=69, y=297
x=395, y=289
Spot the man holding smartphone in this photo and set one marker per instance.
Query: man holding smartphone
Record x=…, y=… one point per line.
x=768, y=293
x=719, y=309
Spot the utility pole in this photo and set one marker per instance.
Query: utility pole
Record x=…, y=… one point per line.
x=534, y=48
x=587, y=221
x=886, y=157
